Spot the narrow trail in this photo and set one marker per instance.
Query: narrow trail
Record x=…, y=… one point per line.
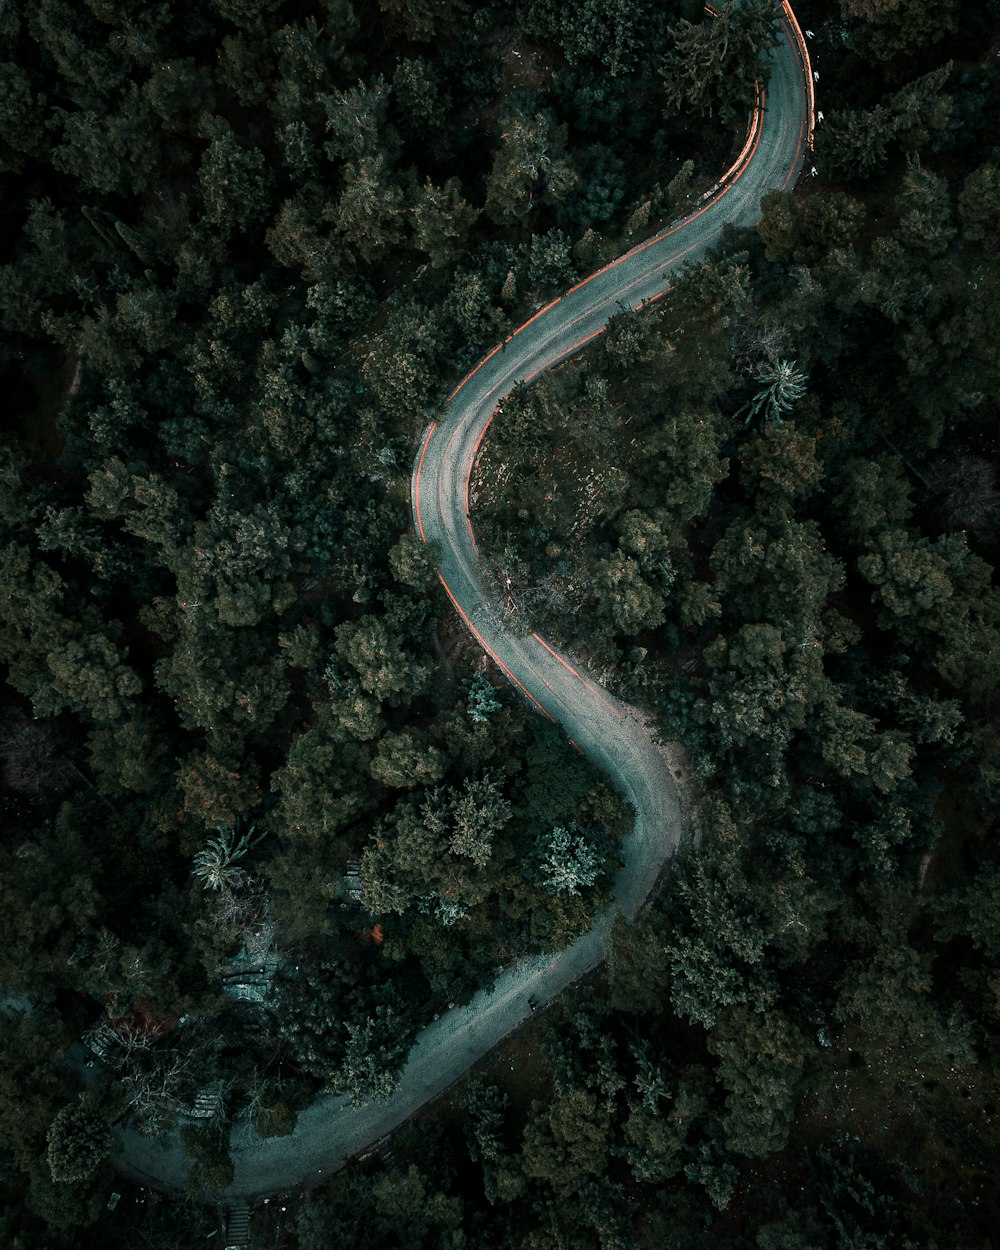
x=614, y=735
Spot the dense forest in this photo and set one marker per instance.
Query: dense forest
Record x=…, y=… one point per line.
x=266, y=807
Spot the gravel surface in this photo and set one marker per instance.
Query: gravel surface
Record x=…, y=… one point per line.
x=613, y=735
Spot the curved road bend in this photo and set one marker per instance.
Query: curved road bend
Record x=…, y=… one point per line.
x=612, y=734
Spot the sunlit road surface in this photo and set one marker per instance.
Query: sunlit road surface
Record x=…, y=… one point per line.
x=610, y=733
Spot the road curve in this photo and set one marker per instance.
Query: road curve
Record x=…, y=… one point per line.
x=612, y=734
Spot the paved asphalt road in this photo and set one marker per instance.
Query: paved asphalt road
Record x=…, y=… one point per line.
x=613, y=735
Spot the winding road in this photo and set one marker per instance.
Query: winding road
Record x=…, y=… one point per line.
x=613, y=735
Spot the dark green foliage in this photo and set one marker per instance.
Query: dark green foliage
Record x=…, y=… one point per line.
x=373, y=1058
x=212, y=1169
x=79, y=1141
x=59, y=1204
x=762, y=1060
x=853, y=142
x=884, y=33
x=397, y=1210
x=715, y=61
x=530, y=159
x=617, y=35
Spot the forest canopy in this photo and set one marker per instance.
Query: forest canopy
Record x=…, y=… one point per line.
x=266, y=807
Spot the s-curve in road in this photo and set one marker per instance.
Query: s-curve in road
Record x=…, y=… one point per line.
x=613, y=735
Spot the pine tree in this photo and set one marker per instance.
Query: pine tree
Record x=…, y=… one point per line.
x=216, y=865
x=783, y=386
x=570, y=863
